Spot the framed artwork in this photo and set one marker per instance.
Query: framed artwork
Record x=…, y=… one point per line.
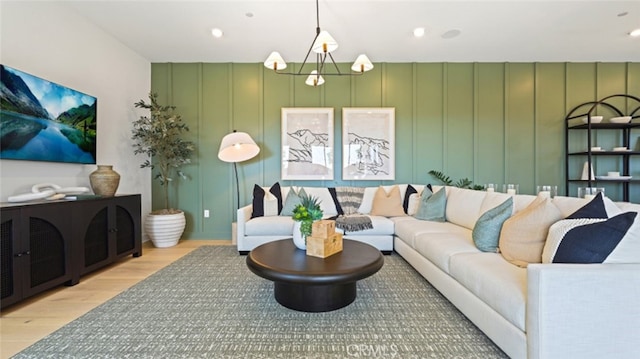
x=307, y=144
x=368, y=144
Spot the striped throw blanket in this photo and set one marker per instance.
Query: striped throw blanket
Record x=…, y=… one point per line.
x=350, y=199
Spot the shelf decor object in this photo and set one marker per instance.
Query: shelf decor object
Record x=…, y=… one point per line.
x=323, y=45
x=104, y=181
x=547, y=191
x=510, y=189
x=610, y=121
x=589, y=192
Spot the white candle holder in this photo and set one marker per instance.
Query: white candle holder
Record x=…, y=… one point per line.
x=510, y=189
x=547, y=191
x=490, y=187
x=589, y=192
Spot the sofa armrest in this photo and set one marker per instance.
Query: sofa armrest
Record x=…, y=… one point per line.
x=243, y=215
x=583, y=310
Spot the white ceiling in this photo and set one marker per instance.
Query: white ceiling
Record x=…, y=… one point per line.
x=490, y=31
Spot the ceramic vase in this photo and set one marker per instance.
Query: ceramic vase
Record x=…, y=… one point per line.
x=298, y=239
x=165, y=230
x=104, y=181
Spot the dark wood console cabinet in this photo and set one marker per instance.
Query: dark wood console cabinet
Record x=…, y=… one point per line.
x=46, y=244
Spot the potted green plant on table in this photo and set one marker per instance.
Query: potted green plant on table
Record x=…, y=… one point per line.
x=160, y=137
x=304, y=214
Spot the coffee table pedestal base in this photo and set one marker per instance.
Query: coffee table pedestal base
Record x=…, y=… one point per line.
x=315, y=298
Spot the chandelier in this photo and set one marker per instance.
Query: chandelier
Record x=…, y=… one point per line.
x=323, y=45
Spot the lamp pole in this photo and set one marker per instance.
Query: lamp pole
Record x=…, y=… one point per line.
x=235, y=169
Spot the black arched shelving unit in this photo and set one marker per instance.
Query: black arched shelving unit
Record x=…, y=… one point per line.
x=588, y=110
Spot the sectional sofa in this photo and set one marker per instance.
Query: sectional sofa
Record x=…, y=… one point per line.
x=529, y=309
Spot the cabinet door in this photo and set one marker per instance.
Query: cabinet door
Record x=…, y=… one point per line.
x=92, y=233
x=127, y=225
x=107, y=229
x=48, y=232
x=11, y=253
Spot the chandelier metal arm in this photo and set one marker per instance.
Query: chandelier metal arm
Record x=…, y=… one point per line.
x=321, y=57
x=320, y=66
x=336, y=66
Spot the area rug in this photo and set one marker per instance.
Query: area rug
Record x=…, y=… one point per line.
x=209, y=305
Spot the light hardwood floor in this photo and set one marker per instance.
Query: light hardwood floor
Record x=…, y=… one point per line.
x=31, y=320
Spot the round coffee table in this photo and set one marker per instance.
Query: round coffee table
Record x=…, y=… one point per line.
x=312, y=284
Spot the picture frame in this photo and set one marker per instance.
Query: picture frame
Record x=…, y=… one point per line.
x=307, y=143
x=368, y=143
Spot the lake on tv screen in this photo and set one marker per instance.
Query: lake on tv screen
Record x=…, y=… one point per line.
x=43, y=121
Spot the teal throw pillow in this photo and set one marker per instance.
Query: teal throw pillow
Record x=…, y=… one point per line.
x=433, y=207
x=292, y=200
x=486, y=232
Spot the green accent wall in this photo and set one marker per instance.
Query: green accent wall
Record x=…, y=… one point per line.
x=490, y=122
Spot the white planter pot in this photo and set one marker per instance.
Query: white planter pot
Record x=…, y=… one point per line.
x=298, y=239
x=165, y=230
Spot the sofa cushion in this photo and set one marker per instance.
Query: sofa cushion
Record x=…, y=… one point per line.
x=594, y=209
x=523, y=235
x=326, y=200
x=266, y=202
x=292, y=199
x=569, y=205
x=522, y=201
x=591, y=240
x=387, y=204
x=407, y=198
x=433, y=207
x=269, y=226
x=493, y=199
x=588, y=236
x=463, y=206
x=486, y=232
x=369, y=194
x=497, y=283
x=439, y=247
x=408, y=228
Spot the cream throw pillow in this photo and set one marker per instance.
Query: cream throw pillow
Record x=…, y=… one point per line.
x=523, y=235
x=387, y=204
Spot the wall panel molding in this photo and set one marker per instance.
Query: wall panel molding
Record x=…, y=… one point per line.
x=490, y=122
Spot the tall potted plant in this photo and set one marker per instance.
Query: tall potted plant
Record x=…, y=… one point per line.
x=159, y=136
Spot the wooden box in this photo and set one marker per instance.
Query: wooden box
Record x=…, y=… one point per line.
x=323, y=228
x=324, y=247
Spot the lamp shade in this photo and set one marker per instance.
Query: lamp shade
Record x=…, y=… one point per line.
x=275, y=62
x=362, y=64
x=324, y=43
x=313, y=79
x=237, y=147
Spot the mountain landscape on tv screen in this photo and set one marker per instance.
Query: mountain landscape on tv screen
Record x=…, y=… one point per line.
x=43, y=121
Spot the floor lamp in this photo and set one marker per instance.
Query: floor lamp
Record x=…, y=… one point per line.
x=237, y=147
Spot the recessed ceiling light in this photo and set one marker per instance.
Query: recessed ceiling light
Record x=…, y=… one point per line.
x=635, y=33
x=418, y=32
x=217, y=33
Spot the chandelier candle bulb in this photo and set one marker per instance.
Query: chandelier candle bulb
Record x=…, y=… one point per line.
x=323, y=44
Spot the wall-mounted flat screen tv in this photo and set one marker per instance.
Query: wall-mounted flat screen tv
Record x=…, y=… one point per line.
x=43, y=121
